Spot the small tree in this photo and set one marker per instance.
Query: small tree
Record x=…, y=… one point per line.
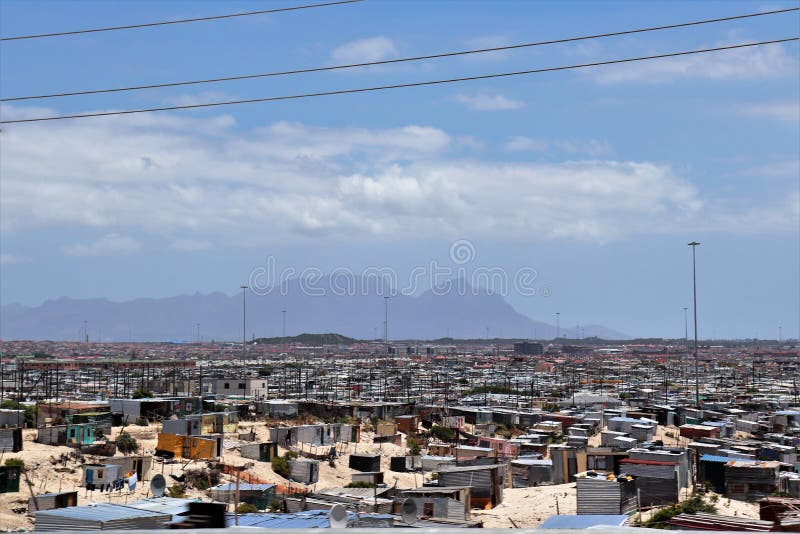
x=246, y=508
x=414, y=448
x=280, y=466
x=126, y=444
x=15, y=462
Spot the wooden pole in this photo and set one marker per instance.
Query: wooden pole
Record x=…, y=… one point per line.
x=236, y=500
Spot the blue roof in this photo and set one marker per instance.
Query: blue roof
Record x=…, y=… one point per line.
x=582, y=521
x=101, y=513
x=714, y=458
x=723, y=459
x=309, y=519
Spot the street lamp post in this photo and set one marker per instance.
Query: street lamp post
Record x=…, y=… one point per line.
x=694, y=244
x=558, y=325
x=244, y=320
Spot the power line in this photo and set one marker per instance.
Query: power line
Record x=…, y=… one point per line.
x=402, y=85
x=398, y=60
x=180, y=21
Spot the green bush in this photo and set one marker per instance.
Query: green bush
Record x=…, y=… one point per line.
x=280, y=466
x=246, y=508
x=360, y=484
x=442, y=433
x=142, y=393
x=15, y=462
x=142, y=421
x=176, y=492
x=126, y=443
x=692, y=505
x=414, y=448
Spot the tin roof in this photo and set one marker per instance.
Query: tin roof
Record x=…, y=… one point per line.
x=572, y=522
x=102, y=513
x=309, y=519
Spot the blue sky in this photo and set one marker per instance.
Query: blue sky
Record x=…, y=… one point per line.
x=595, y=178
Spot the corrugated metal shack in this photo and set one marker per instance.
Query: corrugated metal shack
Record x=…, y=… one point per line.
x=97, y=476
x=51, y=501
x=657, y=482
x=531, y=472
x=402, y=464
x=605, y=494
x=365, y=462
x=103, y=516
x=11, y=418
x=259, y=495
x=750, y=480
x=486, y=482
x=263, y=452
x=11, y=439
x=442, y=502
x=305, y=471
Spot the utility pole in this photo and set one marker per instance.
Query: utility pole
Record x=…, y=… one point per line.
x=694, y=244
x=244, y=320
x=198, y=333
x=558, y=325
x=386, y=323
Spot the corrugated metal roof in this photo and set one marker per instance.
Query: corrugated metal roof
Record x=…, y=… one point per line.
x=583, y=521
x=101, y=512
x=309, y=519
x=166, y=505
x=243, y=487
x=715, y=458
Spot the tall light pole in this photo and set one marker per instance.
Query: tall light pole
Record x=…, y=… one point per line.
x=558, y=325
x=284, y=322
x=244, y=320
x=198, y=333
x=386, y=323
x=694, y=244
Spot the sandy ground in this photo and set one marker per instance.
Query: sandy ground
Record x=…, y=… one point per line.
x=527, y=507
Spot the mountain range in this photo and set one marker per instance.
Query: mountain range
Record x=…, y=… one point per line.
x=429, y=315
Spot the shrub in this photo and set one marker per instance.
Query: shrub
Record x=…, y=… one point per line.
x=689, y=506
x=414, y=448
x=442, y=433
x=280, y=466
x=176, y=492
x=360, y=484
x=142, y=393
x=142, y=421
x=246, y=508
x=126, y=443
x=290, y=455
x=15, y=462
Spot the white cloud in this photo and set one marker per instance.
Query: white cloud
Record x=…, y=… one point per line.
x=7, y=259
x=752, y=63
x=489, y=102
x=788, y=111
x=195, y=183
x=191, y=245
x=202, y=97
x=365, y=50
x=488, y=41
x=591, y=147
x=108, y=245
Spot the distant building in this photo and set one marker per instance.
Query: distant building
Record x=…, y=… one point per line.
x=243, y=387
x=527, y=347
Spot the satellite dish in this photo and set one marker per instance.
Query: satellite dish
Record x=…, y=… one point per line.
x=409, y=511
x=158, y=485
x=338, y=516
